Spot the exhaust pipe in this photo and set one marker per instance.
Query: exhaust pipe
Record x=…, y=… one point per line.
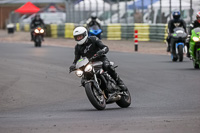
x=113, y=99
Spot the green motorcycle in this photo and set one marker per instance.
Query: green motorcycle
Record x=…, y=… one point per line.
x=195, y=47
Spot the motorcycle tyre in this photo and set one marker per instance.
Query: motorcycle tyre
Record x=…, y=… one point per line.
x=180, y=53
x=124, y=102
x=92, y=98
x=38, y=41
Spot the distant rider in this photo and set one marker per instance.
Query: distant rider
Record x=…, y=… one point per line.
x=195, y=24
x=93, y=47
x=37, y=21
x=93, y=20
x=172, y=24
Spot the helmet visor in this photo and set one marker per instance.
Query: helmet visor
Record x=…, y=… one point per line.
x=80, y=36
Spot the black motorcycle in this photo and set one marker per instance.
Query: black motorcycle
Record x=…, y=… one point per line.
x=100, y=87
x=178, y=48
x=38, y=36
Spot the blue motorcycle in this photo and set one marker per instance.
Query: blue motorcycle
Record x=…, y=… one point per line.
x=178, y=47
x=95, y=31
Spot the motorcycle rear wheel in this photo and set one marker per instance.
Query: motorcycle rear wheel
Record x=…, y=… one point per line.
x=125, y=100
x=97, y=101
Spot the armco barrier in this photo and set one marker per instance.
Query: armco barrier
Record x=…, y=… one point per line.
x=143, y=32
x=146, y=32
x=17, y=27
x=54, y=33
x=114, y=31
x=69, y=27
x=127, y=31
x=27, y=27
x=60, y=30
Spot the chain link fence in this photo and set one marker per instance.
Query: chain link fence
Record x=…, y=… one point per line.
x=130, y=11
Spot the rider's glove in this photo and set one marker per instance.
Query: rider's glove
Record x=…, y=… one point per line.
x=72, y=67
x=100, y=52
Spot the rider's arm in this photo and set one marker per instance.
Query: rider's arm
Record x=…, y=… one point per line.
x=32, y=24
x=42, y=23
x=88, y=22
x=98, y=22
x=184, y=26
x=190, y=28
x=170, y=30
x=104, y=48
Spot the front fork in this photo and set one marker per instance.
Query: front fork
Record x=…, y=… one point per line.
x=94, y=82
x=184, y=47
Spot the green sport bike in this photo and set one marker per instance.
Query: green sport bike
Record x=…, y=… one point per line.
x=194, y=48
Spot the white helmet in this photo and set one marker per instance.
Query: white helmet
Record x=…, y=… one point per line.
x=80, y=35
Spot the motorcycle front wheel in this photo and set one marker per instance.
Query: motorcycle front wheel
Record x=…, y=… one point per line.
x=180, y=53
x=38, y=41
x=96, y=100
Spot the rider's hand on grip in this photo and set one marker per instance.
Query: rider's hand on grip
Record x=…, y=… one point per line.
x=72, y=68
x=100, y=52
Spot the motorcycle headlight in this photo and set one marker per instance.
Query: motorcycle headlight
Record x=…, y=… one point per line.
x=42, y=31
x=88, y=68
x=36, y=31
x=79, y=73
x=196, y=39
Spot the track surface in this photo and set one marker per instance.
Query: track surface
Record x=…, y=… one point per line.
x=38, y=95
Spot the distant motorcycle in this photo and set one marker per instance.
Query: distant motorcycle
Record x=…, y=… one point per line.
x=178, y=47
x=195, y=47
x=95, y=31
x=100, y=87
x=38, y=36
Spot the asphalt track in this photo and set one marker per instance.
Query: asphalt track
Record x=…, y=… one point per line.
x=38, y=95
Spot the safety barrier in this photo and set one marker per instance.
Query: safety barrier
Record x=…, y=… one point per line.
x=114, y=31
x=146, y=32
x=69, y=27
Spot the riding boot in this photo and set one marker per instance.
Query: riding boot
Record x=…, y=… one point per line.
x=121, y=84
x=188, y=52
x=168, y=43
x=31, y=36
x=42, y=38
x=168, y=48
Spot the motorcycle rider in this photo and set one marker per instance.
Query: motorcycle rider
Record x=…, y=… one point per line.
x=37, y=21
x=93, y=20
x=93, y=47
x=173, y=23
x=195, y=24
